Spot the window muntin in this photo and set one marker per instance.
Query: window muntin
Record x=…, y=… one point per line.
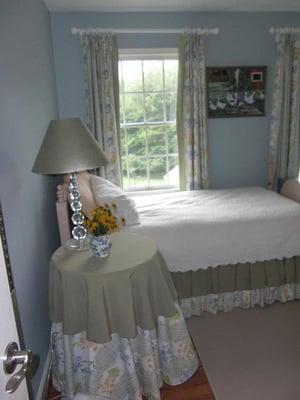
x=148, y=123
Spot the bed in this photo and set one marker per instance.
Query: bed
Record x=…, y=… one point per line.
x=226, y=248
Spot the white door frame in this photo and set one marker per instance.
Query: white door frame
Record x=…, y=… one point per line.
x=8, y=330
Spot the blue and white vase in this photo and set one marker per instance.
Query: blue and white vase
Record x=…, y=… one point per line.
x=100, y=245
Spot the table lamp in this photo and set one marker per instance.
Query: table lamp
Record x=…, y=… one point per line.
x=69, y=147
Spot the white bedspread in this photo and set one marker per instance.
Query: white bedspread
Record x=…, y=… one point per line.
x=217, y=227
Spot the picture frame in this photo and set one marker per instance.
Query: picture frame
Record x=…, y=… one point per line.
x=236, y=91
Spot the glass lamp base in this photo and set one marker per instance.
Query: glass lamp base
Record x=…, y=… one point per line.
x=79, y=245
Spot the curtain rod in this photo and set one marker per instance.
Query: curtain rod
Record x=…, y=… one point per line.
x=285, y=29
x=204, y=31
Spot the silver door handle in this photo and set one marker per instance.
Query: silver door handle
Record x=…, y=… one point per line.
x=12, y=357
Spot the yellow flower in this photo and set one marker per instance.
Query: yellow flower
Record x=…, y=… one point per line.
x=104, y=219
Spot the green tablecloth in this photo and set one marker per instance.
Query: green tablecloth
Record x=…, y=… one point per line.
x=129, y=288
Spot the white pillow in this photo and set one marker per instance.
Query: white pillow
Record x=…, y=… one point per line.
x=291, y=190
x=106, y=192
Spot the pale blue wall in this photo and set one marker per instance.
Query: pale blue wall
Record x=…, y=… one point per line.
x=27, y=103
x=237, y=146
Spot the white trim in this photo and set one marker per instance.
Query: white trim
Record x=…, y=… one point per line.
x=285, y=29
x=203, y=31
x=44, y=382
x=163, y=53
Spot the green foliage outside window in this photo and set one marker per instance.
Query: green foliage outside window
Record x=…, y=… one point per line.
x=148, y=115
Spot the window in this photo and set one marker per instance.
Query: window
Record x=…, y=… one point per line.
x=148, y=123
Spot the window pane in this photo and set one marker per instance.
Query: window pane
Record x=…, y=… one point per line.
x=156, y=140
x=153, y=75
x=171, y=106
x=133, y=108
x=136, y=143
x=138, y=171
x=124, y=172
x=132, y=76
x=126, y=184
x=173, y=175
x=173, y=162
x=157, y=170
x=123, y=142
x=172, y=140
x=120, y=72
x=121, y=108
x=154, y=107
x=171, y=68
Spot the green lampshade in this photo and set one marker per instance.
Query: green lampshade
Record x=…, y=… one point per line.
x=68, y=146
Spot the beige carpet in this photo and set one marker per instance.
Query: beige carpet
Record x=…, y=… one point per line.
x=251, y=354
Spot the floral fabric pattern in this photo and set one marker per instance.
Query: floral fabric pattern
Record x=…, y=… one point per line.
x=101, y=82
x=213, y=303
x=284, y=150
x=191, y=113
x=123, y=369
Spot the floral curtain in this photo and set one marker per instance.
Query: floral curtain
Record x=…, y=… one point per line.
x=285, y=126
x=191, y=113
x=100, y=56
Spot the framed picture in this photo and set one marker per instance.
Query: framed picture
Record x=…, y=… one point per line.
x=236, y=91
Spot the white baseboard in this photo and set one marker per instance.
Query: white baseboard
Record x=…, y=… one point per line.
x=44, y=383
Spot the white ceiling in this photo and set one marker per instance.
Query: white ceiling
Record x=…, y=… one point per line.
x=172, y=5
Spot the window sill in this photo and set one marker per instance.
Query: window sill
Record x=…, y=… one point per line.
x=151, y=192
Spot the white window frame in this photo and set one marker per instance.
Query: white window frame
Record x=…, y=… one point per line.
x=126, y=54
x=170, y=53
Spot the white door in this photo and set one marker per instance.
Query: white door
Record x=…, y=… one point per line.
x=8, y=334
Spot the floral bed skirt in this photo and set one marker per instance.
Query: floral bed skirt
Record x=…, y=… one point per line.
x=123, y=369
x=244, y=299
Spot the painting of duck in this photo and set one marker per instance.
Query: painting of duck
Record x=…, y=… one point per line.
x=220, y=104
x=232, y=98
x=236, y=91
x=212, y=106
x=249, y=98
